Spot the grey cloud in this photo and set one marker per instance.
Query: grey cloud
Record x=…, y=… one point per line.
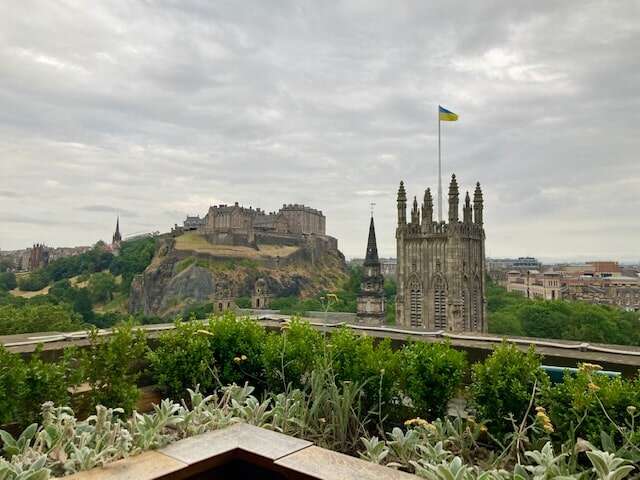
x=109, y=209
x=156, y=110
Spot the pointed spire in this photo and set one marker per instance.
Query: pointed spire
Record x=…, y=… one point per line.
x=402, y=205
x=427, y=211
x=402, y=194
x=466, y=211
x=117, y=237
x=371, y=258
x=478, y=205
x=415, y=213
x=453, y=199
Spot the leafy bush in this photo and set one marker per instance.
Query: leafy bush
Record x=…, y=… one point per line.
x=356, y=358
x=182, y=359
x=503, y=384
x=584, y=401
x=236, y=345
x=45, y=381
x=243, y=302
x=101, y=287
x=432, y=374
x=35, y=317
x=8, y=281
x=33, y=282
x=290, y=356
x=112, y=367
x=12, y=372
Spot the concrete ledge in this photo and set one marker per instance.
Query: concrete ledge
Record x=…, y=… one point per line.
x=203, y=456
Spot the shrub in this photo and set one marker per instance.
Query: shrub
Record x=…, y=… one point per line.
x=101, y=287
x=33, y=282
x=357, y=358
x=432, y=374
x=236, y=345
x=8, y=281
x=43, y=382
x=37, y=317
x=502, y=385
x=182, y=359
x=243, y=302
x=291, y=355
x=111, y=366
x=12, y=372
x=581, y=400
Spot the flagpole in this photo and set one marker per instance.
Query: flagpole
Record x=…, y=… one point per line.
x=439, y=171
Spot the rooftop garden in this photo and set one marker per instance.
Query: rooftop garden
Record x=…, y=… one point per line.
x=423, y=408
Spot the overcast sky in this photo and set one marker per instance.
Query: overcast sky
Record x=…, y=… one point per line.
x=157, y=109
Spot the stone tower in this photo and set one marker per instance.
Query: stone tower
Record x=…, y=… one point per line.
x=260, y=298
x=441, y=265
x=371, y=304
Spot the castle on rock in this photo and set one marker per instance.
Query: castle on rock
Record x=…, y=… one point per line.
x=441, y=265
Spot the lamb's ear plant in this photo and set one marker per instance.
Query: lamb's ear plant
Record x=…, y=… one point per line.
x=609, y=467
x=13, y=446
x=30, y=469
x=375, y=450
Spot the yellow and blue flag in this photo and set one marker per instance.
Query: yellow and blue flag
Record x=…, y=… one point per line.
x=446, y=115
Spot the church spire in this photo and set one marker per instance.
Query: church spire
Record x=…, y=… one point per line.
x=371, y=257
x=117, y=237
x=427, y=210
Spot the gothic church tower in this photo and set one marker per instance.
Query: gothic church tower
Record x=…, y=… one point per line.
x=371, y=304
x=441, y=265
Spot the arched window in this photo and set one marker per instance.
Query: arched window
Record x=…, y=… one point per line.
x=476, y=305
x=439, y=303
x=466, y=306
x=257, y=303
x=415, y=303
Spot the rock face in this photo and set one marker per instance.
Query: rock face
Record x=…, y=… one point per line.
x=178, y=277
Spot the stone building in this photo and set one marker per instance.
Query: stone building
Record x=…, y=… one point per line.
x=38, y=257
x=533, y=284
x=237, y=225
x=441, y=265
x=371, y=304
x=260, y=298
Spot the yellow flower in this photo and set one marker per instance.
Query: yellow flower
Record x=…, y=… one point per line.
x=417, y=421
x=243, y=358
x=631, y=409
x=540, y=409
x=382, y=371
x=483, y=428
x=593, y=387
x=548, y=427
x=237, y=359
x=590, y=367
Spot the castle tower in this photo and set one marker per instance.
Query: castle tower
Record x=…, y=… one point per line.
x=371, y=304
x=441, y=266
x=260, y=299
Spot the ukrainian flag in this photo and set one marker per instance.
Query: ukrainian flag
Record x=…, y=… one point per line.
x=446, y=115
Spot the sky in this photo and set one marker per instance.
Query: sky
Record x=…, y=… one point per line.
x=152, y=110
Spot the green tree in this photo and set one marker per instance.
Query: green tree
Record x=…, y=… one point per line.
x=37, y=318
x=101, y=287
x=8, y=281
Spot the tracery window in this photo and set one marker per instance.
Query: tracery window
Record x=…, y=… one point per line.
x=415, y=303
x=440, y=303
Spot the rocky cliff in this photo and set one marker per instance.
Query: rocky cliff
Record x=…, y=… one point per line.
x=188, y=269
